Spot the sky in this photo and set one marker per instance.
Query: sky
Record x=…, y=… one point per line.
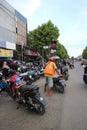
x=70, y=16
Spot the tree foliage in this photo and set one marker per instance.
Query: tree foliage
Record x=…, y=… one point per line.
x=43, y=35
x=61, y=51
x=84, y=53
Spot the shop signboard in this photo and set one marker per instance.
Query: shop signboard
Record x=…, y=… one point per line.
x=10, y=45
x=6, y=53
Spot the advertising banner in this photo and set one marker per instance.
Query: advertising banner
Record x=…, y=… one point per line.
x=6, y=53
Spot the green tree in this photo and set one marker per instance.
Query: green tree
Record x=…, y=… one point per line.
x=42, y=36
x=84, y=53
x=61, y=51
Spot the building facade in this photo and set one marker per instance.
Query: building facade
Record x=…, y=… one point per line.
x=13, y=29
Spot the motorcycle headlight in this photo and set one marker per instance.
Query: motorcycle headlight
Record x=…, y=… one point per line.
x=41, y=98
x=30, y=76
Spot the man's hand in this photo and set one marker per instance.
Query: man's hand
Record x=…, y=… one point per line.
x=58, y=72
x=61, y=75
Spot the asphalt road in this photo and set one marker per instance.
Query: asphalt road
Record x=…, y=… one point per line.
x=74, y=110
x=66, y=111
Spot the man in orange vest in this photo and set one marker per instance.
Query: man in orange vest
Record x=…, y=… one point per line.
x=49, y=72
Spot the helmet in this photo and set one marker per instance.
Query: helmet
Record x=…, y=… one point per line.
x=51, y=59
x=17, y=80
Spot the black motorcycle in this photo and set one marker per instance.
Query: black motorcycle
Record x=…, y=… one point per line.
x=59, y=84
x=85, y=75
x=28, y=96
x=64, y=72
x=32, y=99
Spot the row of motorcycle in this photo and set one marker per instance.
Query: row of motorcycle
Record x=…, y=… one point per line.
x=28, y=94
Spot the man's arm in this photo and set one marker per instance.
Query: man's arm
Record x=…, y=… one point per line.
x=56, y=69
x=58, y=72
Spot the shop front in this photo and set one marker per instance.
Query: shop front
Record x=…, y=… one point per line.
x=6, y=49
x=31, y=55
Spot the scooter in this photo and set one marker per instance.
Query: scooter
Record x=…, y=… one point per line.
x=64, y=72
x=32, y=99
x=28, y=96
x=59, y=84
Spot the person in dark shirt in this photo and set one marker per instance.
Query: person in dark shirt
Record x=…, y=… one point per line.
x=5, y=69
x=15, y=65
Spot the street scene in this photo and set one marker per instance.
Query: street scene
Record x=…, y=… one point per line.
x=43, y=65
x=65, y=111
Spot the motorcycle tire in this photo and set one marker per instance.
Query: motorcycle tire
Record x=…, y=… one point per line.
x=85, y=79
x=66, y=77
x=55, y=87
x=61, y=90
x=41, y=109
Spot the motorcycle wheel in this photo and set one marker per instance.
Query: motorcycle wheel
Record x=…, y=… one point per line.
x=61, y=90
x=55, y=87
x=66, y=77
x=41, y=109
x=85, y=79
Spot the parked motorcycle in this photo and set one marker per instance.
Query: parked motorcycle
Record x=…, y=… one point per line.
x=28, y=96
x=31, y=97
x=71, y=65
x=85, y=75
x=59, y=84
x=65, y=72
x=4, y=85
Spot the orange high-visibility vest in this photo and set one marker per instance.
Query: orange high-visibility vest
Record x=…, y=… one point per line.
x=49, y=69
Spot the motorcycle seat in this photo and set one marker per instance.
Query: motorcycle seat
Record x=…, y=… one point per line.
x=55, y=79
x=30, y=88
x=31, y=72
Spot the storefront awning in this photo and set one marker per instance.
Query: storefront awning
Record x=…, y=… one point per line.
x=30, y=52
